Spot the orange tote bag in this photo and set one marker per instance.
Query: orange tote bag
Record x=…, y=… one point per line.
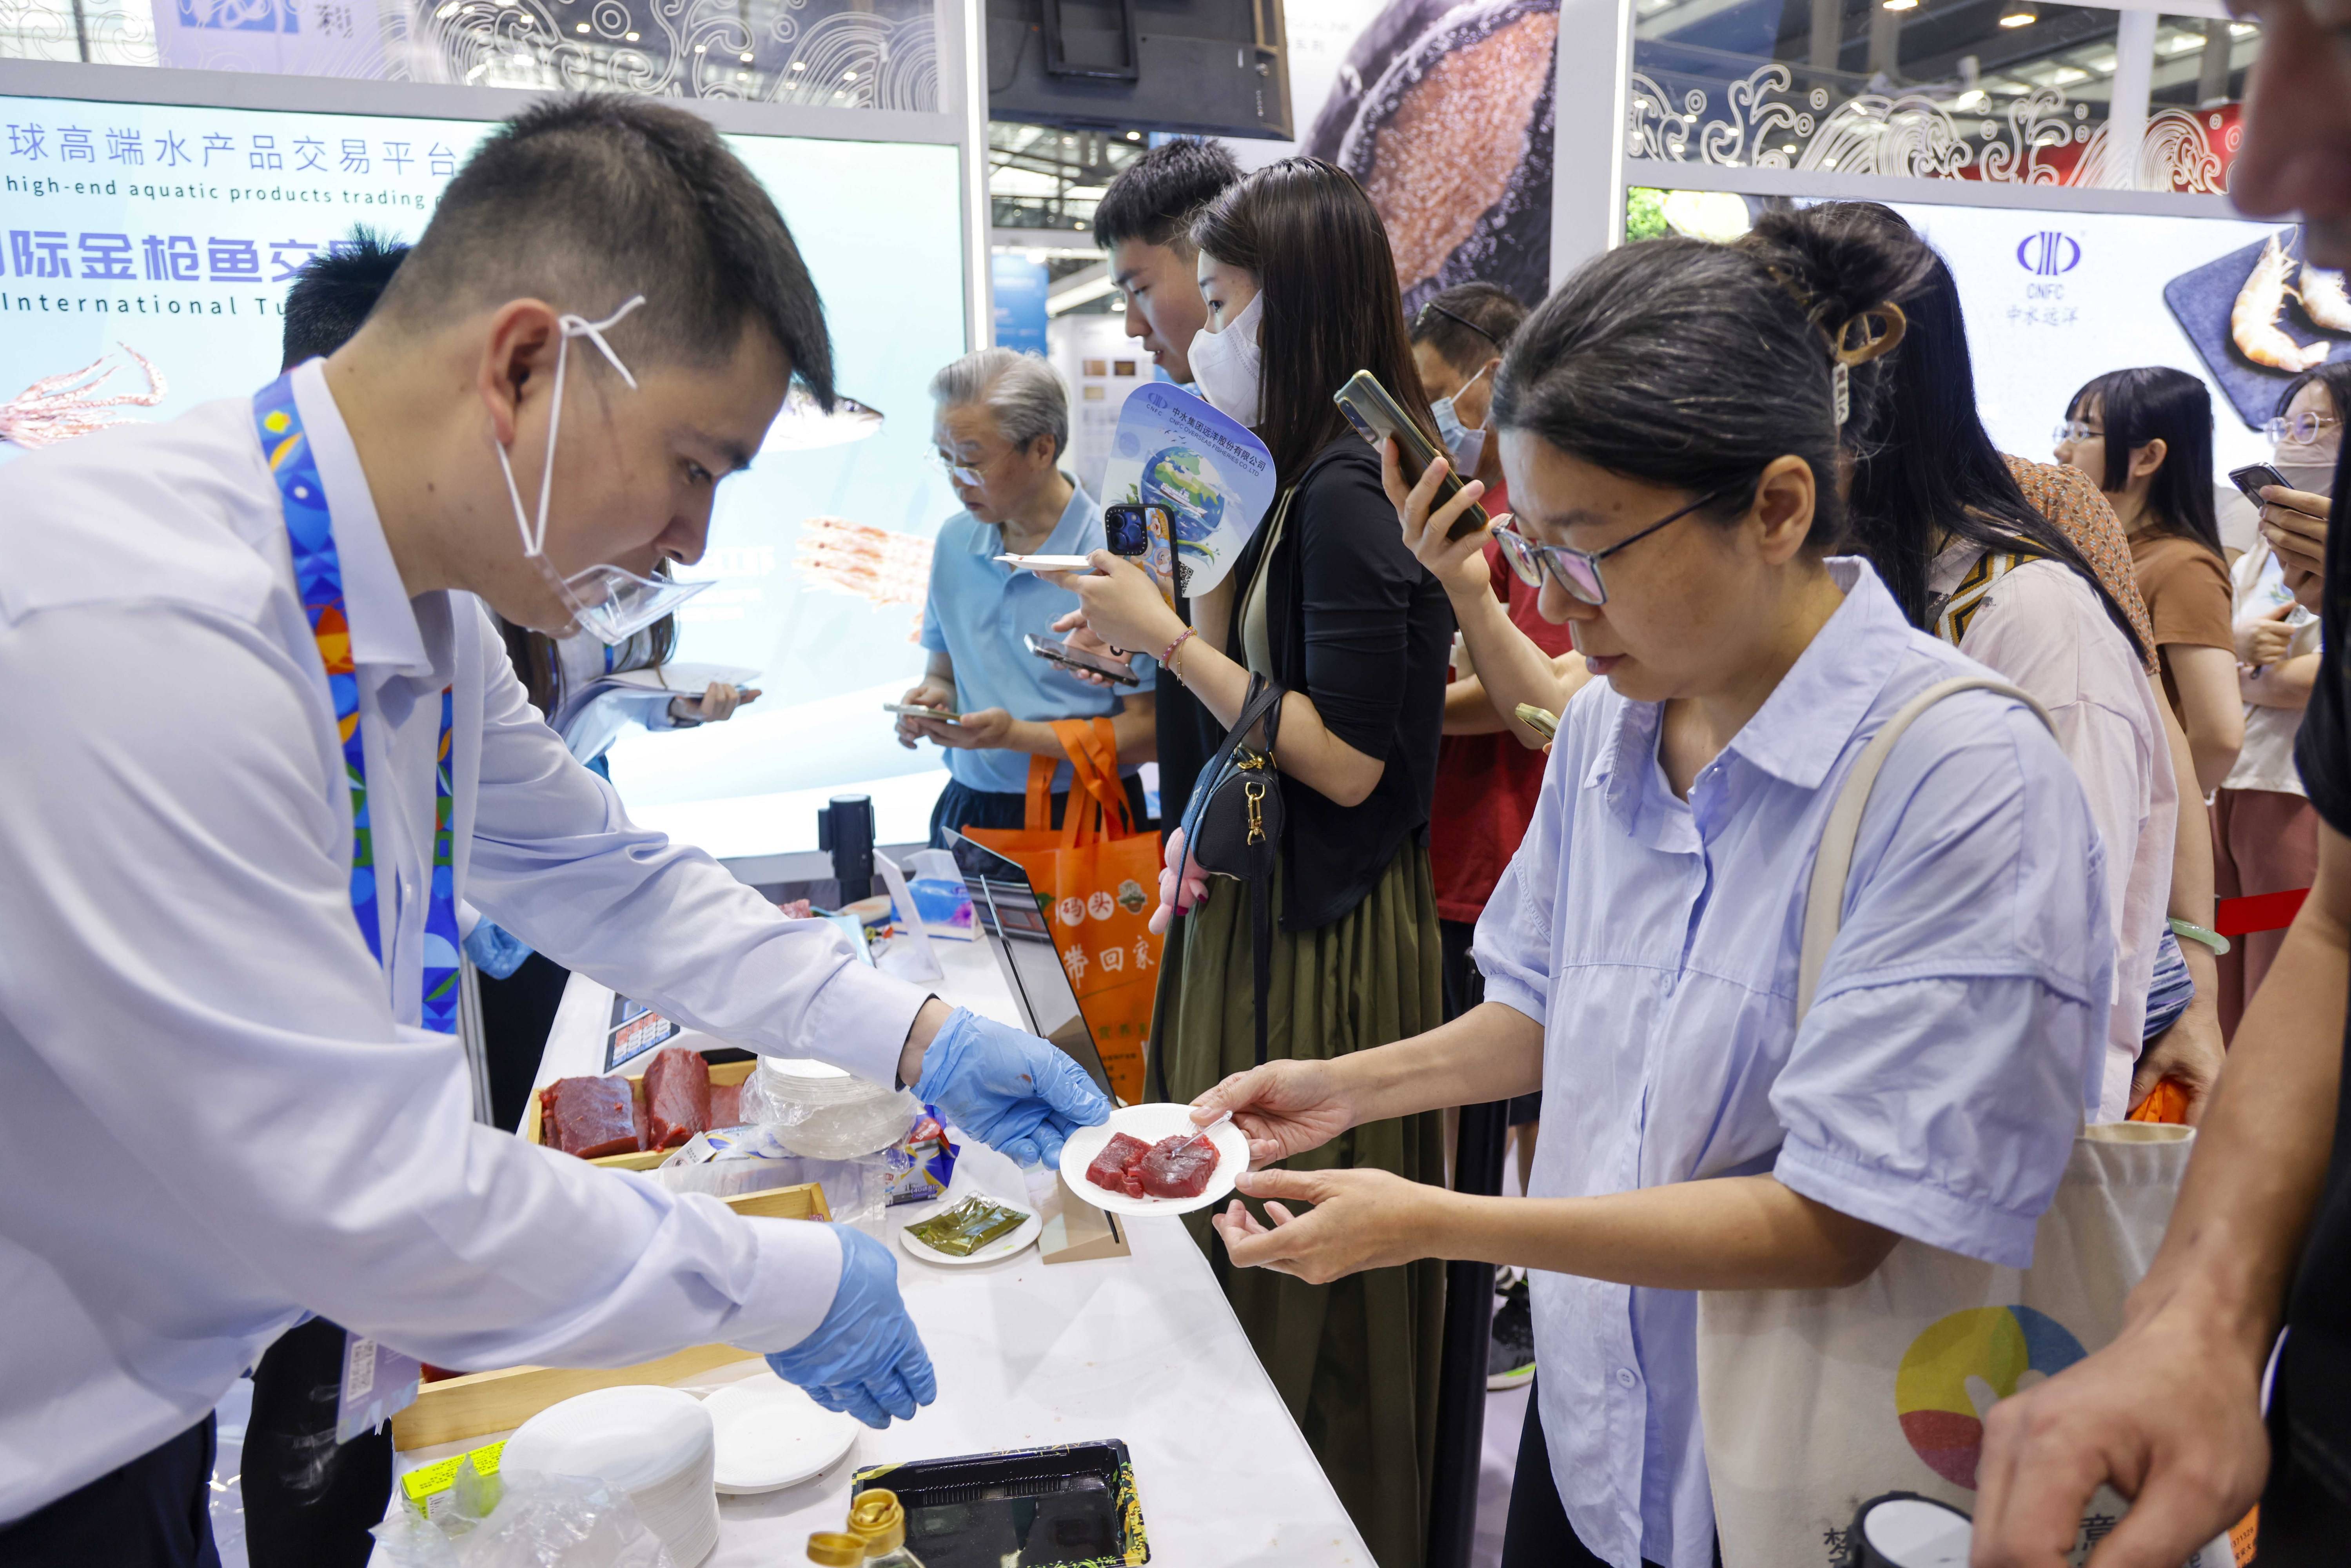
x=1097, y=876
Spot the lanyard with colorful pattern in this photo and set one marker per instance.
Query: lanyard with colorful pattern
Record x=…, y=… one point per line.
x=319, y=578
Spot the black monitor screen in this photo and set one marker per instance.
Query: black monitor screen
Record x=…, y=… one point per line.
x=1013, y=919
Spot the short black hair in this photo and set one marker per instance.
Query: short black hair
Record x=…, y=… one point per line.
x=1469, y=323
x=586, y=201
x=2151, y=403
x=1154, y=198
x=334, y=292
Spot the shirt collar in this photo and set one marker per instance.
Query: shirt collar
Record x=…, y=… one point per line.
x=384, y=623
x=1804, y=726
x=987, y=539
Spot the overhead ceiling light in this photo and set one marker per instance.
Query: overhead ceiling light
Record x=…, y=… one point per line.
x=1134, y=136
x=1900, y=5
x=2023, y=16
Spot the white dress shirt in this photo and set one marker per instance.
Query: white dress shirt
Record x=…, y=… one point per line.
x=1934, y=1087
x=219, y=1110
x=2041, y=626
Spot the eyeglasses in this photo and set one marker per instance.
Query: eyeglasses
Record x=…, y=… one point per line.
x=2073, y=429
x=1578, y=571
x=2299, y=429
x=969, y=475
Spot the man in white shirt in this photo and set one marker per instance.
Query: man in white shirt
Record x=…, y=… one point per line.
x=222, y=1107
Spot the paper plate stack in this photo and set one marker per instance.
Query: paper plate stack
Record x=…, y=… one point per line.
x=655, y=1444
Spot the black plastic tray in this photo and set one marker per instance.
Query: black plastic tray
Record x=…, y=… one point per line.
x=1072, y=1505
x=2201, y=299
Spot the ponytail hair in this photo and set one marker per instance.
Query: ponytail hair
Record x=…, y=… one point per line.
x=1692, y=365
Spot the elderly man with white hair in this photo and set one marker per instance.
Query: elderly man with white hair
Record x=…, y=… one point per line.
x=1001, y=428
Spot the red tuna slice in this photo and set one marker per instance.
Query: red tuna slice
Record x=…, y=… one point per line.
x=727, y=1105
x=588, y=1116
x=1111, y=1163
x=677, y=1097
x=1178, y=1166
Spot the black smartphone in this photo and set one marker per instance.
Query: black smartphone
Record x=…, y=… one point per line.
x=1071, y=659
x=1378, y=416
x=2252, y=477
x=1127, y=528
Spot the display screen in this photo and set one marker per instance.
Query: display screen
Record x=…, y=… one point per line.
x=171, y=233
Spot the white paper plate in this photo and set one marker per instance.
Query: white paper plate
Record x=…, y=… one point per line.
x=995, y=1251
x=1151, y=1123
x=770, y=1435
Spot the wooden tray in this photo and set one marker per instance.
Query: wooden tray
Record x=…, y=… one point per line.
x=480, y=1402
x=721, y=1073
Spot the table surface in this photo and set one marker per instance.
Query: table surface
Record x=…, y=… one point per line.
x=1143, y=1348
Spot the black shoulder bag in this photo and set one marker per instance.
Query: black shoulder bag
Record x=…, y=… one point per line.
x=1233, y=825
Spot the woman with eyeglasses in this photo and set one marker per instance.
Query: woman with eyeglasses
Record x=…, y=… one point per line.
x=2264, y=832
x=1669, y=422
x=2145, y=435
x=1301, y=287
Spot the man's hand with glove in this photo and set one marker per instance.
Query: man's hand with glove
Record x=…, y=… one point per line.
x=865, y=1358
x=1011, y=1091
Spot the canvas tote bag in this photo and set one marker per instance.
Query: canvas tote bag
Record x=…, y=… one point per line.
x=1815, y=1401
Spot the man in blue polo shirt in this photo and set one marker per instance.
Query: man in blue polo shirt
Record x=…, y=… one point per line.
x=1001, y=426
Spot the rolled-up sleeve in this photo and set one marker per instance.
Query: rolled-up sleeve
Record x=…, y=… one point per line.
x=1936, y=1085
x=1513, y=947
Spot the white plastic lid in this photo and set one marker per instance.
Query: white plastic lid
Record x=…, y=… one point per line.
x=631, y=1437
x=803, y=1067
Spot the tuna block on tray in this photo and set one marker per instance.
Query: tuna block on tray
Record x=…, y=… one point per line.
x=677, y=1097
x=591, y=1117
x=1110, y=1169
x=1177, y=1166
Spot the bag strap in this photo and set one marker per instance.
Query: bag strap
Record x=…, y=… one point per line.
x=1825, y=899
x=1037, y=817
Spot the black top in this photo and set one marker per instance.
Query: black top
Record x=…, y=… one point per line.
x=1187, y=733
x=2314, y=1412
x=1359, y=626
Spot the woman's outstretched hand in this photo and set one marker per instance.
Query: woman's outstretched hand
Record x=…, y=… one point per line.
x=1359, y=1219
x=1179, y=890
x=1285, y=1108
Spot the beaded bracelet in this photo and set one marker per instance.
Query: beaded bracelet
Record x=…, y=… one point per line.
x=1167, y=654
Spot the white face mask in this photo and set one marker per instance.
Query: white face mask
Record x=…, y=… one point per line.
x=610, y=603
x=1228, y=364
x=1463, y=445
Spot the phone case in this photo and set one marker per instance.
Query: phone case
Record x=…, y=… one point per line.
x=1377, y=415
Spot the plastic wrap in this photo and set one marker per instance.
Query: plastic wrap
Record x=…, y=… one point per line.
x=823, y=1113
x=535, y=1521
x=752, y=1159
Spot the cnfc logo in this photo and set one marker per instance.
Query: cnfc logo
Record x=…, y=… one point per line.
x=2049, y=253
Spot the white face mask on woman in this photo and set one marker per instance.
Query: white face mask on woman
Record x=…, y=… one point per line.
x=1228, y=364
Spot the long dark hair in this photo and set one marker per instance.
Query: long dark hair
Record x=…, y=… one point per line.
x=1926, y=472
x=2333, y=378
x=2156, y=403
x=542, y=671
x=1694, y=365
x=1320, y=257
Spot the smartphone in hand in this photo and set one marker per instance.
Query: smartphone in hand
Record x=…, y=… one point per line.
x=943, y=714
x=1542, y=720
x=2249, y=479
x=1376, y=417
x=1071, y=659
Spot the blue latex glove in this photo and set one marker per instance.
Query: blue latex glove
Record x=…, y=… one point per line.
x=865, y=1358
x=1010, y=1090
x=495, y=950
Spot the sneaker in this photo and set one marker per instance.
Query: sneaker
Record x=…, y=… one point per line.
x=1510, y=1360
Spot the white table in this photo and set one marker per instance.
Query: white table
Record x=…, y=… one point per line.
x=1143, y=1348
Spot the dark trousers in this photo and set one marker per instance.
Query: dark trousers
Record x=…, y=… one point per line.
x=153, y=1512
x=517, y=1014
x=1464, y=987
x=961, y=806
x=1537, y=1533
x=2305, y=1521
x=308, y=1501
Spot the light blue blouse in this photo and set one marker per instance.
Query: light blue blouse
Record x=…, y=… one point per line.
x=1934, y=1087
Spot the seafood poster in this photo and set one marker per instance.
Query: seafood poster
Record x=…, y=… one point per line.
x=2054, y=298
x=1215, y=478
x=145, y=252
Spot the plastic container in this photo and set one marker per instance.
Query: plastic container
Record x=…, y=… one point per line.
x=655, y=1444
x=818, y=1111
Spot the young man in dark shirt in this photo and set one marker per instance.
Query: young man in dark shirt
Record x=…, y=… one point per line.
x=1144, y=222
x=2170, y=1414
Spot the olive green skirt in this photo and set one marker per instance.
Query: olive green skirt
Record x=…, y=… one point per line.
x=1357, y=1361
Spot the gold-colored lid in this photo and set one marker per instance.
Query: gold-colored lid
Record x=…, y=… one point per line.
x=876, y=1519
x=830, y=1549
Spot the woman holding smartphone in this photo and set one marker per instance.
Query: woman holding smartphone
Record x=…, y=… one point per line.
x=1326, y=601
x=1671, y=430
